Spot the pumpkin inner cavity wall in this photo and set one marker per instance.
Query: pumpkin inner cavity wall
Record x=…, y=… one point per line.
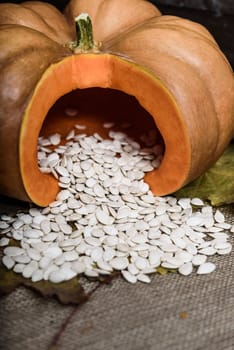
x=96, y=106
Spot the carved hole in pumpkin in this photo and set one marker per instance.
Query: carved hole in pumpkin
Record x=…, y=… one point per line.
x=96, y=106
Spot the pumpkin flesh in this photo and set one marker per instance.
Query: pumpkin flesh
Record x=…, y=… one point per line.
x=105, y=71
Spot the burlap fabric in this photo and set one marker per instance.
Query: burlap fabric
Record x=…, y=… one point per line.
x=171, y=313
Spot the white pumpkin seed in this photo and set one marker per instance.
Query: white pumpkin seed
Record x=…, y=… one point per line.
x=22, y=259
x=4, y=241
x=104, y=265
x=143, y=278
x=78, y=266
x=219, y=217
x=110, y=230
x=222, y=245
x=62, y=171
x=133, y=269
x=44, y=262
x=91, y=273
x=199, y=259
x=70, y=256
x=27, y=219
x=32, y=233
x=48, y=270
x=29, y=269
x=53, y=252
x=60, y=260
x=141, y=263
x=197, y=201
x=186, y=269
x=109, y=253
x=3, y=225
x=128, y=276
x=119, y=263
x=55, y=139
x=208, y=251
x=18, y=268
x=8, y=261
x=17, y=224
x=154, y=258
x=37, y=275
x=106, y=218
x=98, y=190
x=184, y=256
x=13, y=251
x=45, y=226
x=33, y=254
x=206, y=268
x=108, y=125
x=223, y=225
x=50, y=237
x=65, y=228
x=70, y=135
x=80, y=127
x=38, y=218
x=103, y=217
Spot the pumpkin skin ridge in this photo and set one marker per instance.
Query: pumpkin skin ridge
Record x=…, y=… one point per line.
x=35, y=6
x=204, y=35
x=35, y=21
x=108, y=82
x=209, y=40
x=39, y=15
x=30, y=49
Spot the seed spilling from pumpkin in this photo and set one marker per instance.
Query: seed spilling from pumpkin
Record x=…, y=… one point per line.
x=172, y=67
x=105, y=218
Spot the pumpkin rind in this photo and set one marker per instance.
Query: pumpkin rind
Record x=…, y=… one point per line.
x=176, y=59
x=104, y=70
x=37, y=15
x=111, y=17
x=17, y=83
x=191, y=75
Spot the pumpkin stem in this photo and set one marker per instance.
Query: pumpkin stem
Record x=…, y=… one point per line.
x=84, y=35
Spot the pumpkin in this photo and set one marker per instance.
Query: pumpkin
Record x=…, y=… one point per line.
x=164, y=69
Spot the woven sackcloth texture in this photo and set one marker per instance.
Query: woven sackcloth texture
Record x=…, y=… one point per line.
x=171, y=313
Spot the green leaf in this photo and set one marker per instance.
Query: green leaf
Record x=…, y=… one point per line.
x=215, y=185
x=69, y=292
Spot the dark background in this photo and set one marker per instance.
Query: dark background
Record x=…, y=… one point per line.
x=216, y=15
x=217, y=6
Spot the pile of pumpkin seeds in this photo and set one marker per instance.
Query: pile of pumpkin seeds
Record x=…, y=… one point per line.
x=105, y=218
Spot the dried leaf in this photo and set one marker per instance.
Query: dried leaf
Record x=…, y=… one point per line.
x=164, y=271
x=215, y=185
x=69, y=292
x=9, y=280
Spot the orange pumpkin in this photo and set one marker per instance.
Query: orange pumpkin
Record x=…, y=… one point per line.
x=164, y=68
